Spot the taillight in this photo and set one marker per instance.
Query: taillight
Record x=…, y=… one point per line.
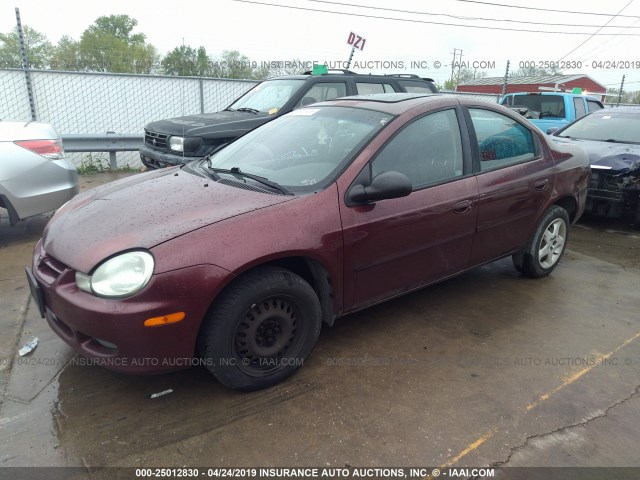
x=51, y=149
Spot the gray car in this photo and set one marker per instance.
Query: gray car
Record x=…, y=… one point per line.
x=35, y=175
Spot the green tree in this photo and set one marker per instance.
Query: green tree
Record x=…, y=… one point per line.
x=66, y=54
x=109, y=45
x=39, y=49
x=187, y=61
x=627, y=97
x=233, y=64
x=460, y=77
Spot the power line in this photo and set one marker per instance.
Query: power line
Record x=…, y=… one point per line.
x=596, y=32
x=591, y=53
x=460, y=17
x=545, y=9
x=266, y=4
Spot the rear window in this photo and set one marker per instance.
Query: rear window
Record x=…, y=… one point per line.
x=545, y=105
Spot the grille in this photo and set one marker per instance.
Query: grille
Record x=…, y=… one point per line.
x=155, y=140
x=50, y=269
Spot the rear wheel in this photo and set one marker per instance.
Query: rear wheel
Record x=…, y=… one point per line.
x=261, y=329
x=545, y=248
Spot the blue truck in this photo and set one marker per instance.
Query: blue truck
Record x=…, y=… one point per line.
x=551, y=110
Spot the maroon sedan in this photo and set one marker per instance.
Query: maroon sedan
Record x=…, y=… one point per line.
x=235, y=261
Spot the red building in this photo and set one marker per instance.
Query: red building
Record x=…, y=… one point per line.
x=564, y=83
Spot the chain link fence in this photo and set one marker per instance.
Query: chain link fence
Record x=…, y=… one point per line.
x=96, y=103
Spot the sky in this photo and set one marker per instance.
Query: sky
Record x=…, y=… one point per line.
x=400, y=40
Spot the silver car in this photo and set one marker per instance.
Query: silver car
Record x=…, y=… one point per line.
x=35, y=175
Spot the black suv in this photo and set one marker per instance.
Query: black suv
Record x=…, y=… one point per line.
x=179, y=140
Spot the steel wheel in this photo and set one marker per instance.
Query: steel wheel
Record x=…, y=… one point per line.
x=266, y=334
x=260, y=329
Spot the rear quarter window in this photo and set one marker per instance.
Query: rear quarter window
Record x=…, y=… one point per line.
x=416, y=87
x=373, y=88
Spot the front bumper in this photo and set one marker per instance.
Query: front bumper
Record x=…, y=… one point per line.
x=154, y=159
x=111, y=332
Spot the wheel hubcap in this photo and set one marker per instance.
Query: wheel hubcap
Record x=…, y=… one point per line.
x=552, y=243
x=266, y=333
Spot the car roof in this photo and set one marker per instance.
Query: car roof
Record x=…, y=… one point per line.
x=623, y=110
x=564, y=94
x=348, y=73
x=392, y=103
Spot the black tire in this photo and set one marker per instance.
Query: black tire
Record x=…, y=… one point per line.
x=517, y=259
x=260, y=329
x=545, y=248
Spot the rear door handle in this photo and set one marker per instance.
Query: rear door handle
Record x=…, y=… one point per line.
x=540, y=185
x=463, y=207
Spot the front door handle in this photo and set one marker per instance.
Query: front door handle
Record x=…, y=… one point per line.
x=463, y=207
x=540, y=185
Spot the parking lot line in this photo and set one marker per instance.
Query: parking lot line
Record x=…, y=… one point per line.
x=471, y=447
x=582, y=372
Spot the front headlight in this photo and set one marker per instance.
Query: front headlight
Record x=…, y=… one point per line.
x=176, y=143
x=120, y=276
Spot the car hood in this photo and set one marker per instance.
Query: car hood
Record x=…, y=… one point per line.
x=210, y=124
x=614, y=157
x=143, y=211
x=545, y=124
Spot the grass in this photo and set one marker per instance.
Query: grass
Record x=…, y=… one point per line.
x=92, y=164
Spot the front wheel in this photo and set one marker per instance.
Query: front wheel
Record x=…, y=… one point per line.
x=545, y=248
x=261, y=329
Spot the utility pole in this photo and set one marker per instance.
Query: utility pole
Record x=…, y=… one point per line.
x=621, y=87
x=453, y=63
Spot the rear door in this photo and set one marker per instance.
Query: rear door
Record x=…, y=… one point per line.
x=515, y=182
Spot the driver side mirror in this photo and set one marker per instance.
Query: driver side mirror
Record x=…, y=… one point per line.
x=552, y=130
x=384, y=186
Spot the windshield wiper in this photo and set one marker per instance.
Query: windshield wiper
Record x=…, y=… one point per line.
x=247, y=109
x=235, y=171
x=229, y=109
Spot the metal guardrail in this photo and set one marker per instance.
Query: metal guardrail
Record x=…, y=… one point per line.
x=109, y=142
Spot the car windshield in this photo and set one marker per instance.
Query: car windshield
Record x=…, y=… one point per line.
x=303, y=149
x=547, y=105
x=268, y=96
x=609, y=126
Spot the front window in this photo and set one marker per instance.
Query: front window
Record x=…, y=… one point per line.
x=269, y=96
x=304, y=149
x=427, y=151
x=606, y=126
